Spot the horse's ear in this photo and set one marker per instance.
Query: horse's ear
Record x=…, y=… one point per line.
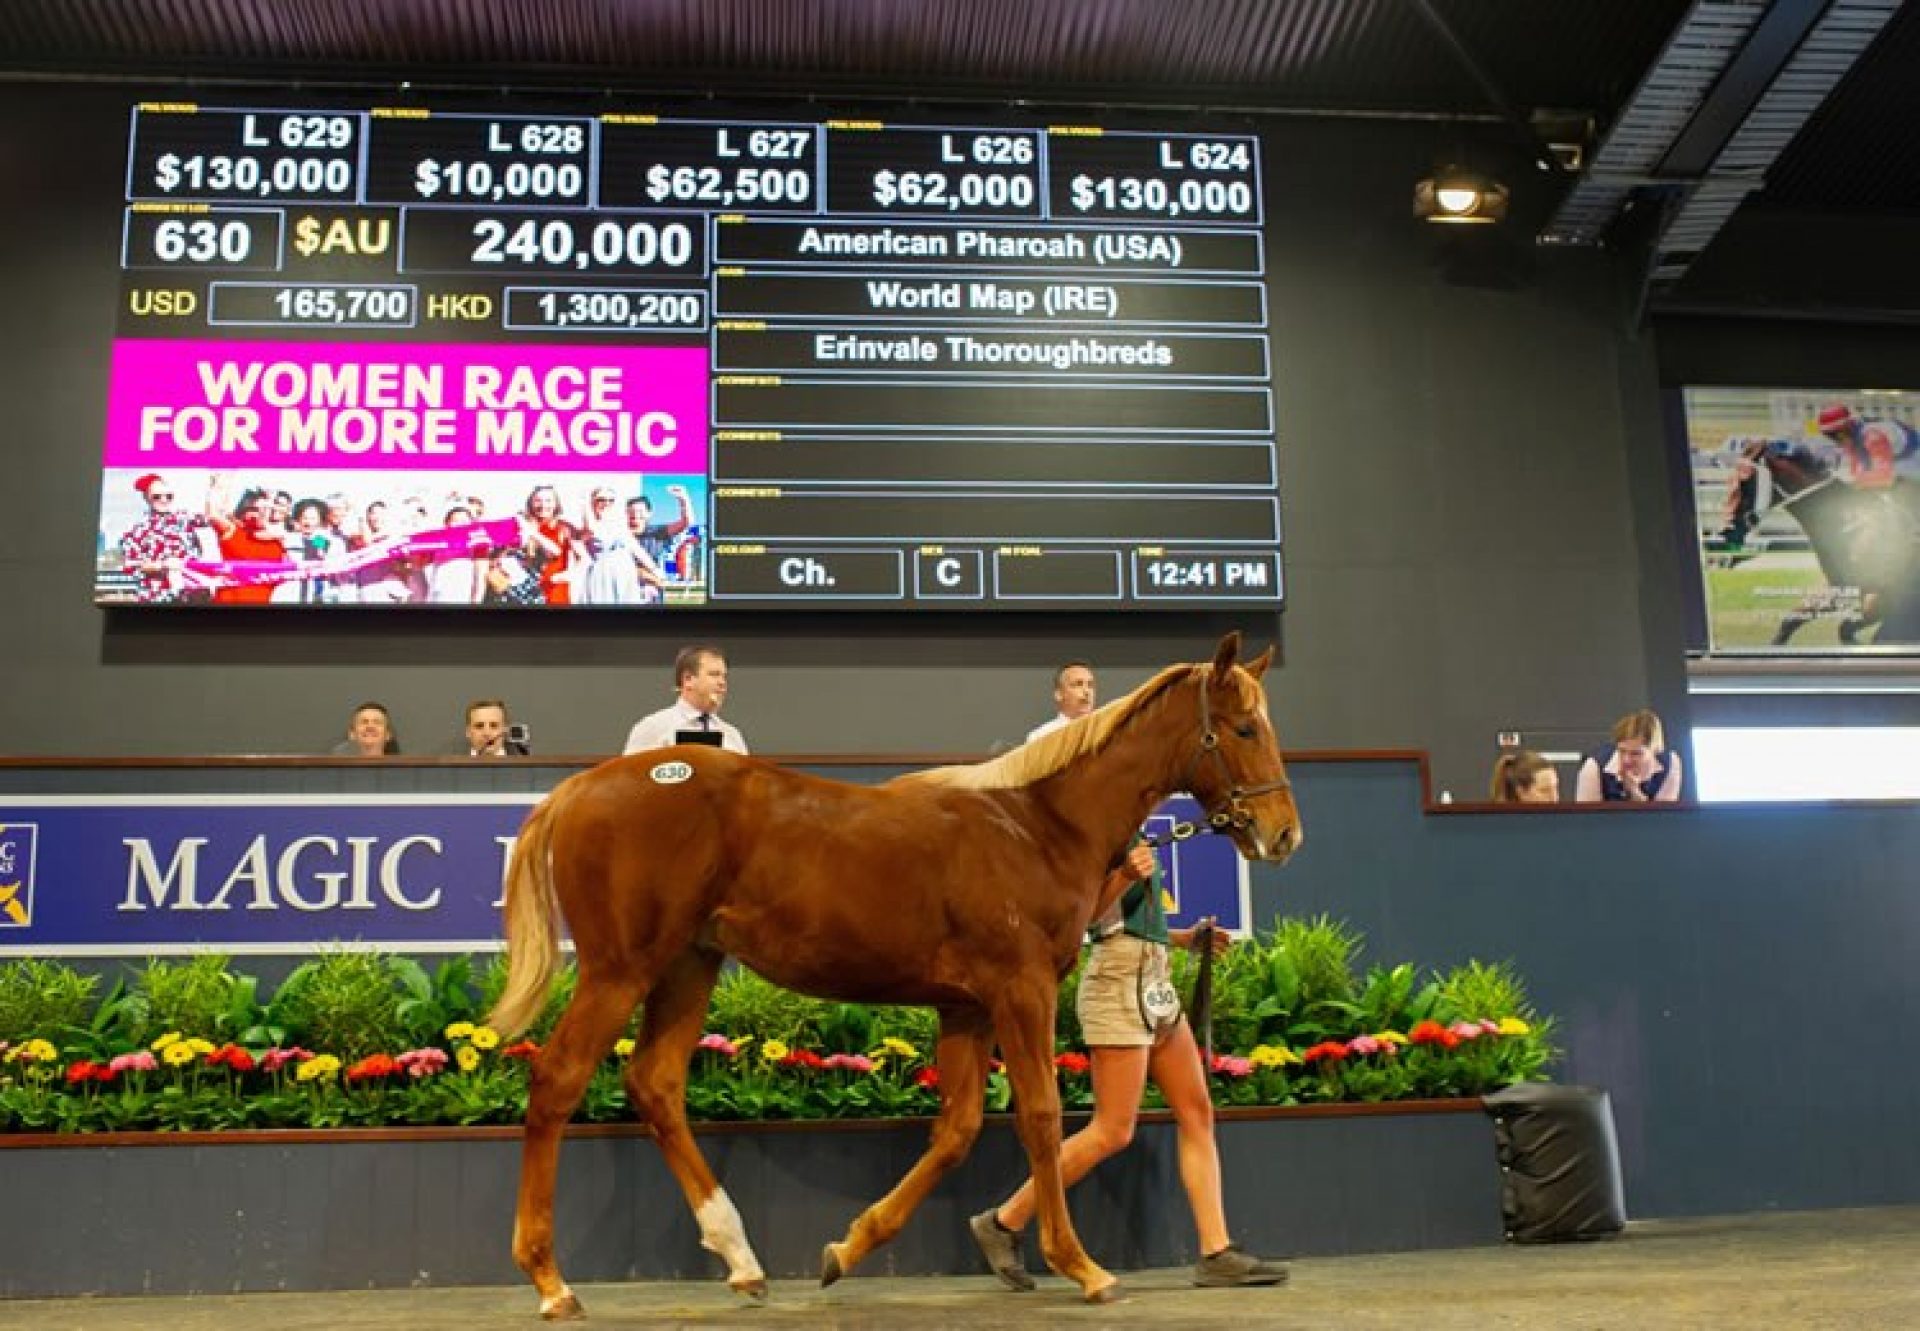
x=1224, y=656
x=1258, y=665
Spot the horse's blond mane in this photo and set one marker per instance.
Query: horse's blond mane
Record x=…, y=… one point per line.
x=1040, y=758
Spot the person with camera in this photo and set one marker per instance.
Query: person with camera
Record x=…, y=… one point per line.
x=490, y=734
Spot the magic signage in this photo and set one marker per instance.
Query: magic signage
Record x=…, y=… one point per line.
x=152, y=875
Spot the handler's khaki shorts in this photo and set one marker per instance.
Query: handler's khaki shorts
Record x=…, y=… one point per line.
x=1109, y=1001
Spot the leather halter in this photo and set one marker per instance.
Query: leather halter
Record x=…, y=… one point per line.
x=1225, y=815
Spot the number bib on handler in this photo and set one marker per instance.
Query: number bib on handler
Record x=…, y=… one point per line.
x=1159, y=1000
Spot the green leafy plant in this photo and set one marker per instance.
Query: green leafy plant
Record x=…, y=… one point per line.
x=201, y=996
x=745, y=1003
x=346, y=1002
x=43, y=998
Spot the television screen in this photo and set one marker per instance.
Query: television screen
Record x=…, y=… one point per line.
x=1806, y=503
x=402, y=356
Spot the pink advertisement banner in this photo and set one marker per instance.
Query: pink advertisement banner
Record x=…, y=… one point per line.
x=387, y=406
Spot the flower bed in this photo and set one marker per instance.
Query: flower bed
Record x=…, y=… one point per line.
x=356, y=1039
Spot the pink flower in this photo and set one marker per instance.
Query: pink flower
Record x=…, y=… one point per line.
x=423, y=1062
x=850, y=1062
x=719, y=1044
x=1363, y=1044
x=1489, y=1025
x=1230, y=1065
x=141, y=1061
x=275, y=1059
x=1467, y=1030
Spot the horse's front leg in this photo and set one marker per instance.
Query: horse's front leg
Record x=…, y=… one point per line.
x=962, y=1060
x=1023, y=1018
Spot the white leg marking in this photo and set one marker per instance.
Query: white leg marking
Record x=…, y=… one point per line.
x=548, y=1305
x=721, y=1232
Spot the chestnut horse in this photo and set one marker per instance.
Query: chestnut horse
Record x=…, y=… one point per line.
x=964, y=889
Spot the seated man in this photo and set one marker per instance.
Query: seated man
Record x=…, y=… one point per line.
x=490, y=734
x=370, y=734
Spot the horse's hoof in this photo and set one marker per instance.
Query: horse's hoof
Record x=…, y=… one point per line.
x=565, y=1308
x=1105, y=1294
x=830, y=1268
x=755, y=1289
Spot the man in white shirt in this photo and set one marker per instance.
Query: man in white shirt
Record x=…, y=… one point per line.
x=700, y=673
x=1074, y=693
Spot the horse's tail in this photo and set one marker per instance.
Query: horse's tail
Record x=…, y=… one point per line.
x=533, y=943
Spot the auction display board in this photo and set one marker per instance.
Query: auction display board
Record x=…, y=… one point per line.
x=401, y=356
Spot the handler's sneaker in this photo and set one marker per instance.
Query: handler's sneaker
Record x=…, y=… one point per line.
x=1233, y=1266
x=1001, y=1248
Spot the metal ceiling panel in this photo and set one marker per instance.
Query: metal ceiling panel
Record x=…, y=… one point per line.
x=1338, y=55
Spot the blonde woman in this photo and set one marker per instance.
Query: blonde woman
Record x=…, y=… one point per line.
x=1638, y=769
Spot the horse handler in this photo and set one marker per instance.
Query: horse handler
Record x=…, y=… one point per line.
x=1131, y=1020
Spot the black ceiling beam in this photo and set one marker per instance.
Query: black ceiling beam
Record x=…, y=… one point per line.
x=1740, y=86
x=1509, y=113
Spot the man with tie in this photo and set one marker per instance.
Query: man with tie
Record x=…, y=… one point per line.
x=700, y=675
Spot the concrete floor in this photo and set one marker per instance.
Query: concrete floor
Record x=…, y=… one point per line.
x=1858, y=1270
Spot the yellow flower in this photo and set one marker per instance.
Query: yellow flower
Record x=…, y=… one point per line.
x=485, y=1037
x=893, y=1044
x=468, y=1058
x=623, y=1049
x=38, y=1051
x=177, y=1054
x=164, y=1041
x=741, y=1041
x=1391, y=1037
x=198, y=1046
x=318, y=1068
x=460, y=1030
x=1514, y=1026
x=774, y=1050
x=1272, y=1056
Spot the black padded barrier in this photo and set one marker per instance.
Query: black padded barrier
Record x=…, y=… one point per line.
x=1559, y=1163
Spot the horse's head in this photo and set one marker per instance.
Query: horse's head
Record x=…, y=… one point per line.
x=1763, y=468
x=1238, y=775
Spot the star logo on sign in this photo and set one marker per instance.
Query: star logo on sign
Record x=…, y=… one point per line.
x=10, y=904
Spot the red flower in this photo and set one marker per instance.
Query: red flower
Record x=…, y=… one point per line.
x=1432, y=1032
x=526, y=1049
x=1331, y=1049
x=373, y=1067
x=1071, y=1062
x=804, y=1058
x=104, y=1072
x=81, y=1071
x=231, y=1056
x=927, y=1079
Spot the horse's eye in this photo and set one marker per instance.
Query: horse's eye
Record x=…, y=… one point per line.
x=1245, y=731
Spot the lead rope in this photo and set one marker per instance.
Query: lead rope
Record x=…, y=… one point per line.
x=1203, y=997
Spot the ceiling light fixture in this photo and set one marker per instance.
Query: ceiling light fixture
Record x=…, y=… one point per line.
x=1453, y=194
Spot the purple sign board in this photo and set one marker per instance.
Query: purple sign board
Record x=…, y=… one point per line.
x=153, y=875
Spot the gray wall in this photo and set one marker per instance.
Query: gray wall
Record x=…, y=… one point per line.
x=1478, y=525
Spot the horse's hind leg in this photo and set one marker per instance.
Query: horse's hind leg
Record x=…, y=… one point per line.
x=657, y=1089
x=600, y=1007
x=962, y=1059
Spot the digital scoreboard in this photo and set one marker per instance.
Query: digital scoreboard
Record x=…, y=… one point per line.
x=396, y=356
